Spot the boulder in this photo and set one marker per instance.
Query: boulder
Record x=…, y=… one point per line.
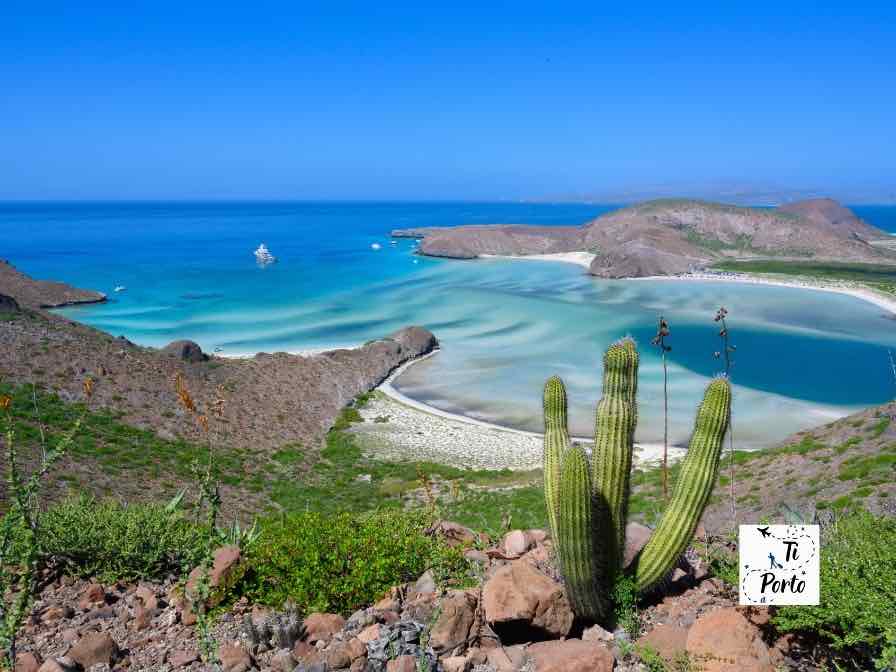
x=182, y=658
x=94, y=648
x=402, y=664
x=27, y=661
x=456, y=535
x=725, y=641
x=518, y=599
x=451, y=630
x=234, y=658
x=455, y=664
x=636, y=537
x=188, y=351
x=669, y=641
x=570, y=655
x=596, y=634
x=516, y=542
x=416, y=341
x=94, y=594
x=321, y=627
x=225, y=571
x=64, y=664
x=9, y=304
x=283, y=661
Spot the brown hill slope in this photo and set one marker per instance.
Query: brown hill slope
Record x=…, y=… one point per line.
x=671, y=236
x=270, y=399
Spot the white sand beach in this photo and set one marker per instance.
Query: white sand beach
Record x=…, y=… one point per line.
x=583, y=259
x=398, y=427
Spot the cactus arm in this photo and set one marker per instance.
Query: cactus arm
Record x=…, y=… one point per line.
x=556, y=441
x=577, y=543
x=614, y=445
x=692, y=490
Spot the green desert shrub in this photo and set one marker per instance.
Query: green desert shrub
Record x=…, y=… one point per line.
x=857, y=613
x=340, y=562
x=117, y=542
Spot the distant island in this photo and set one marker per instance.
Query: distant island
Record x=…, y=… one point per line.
x=675, y=236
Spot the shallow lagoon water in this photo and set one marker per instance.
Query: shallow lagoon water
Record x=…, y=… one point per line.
x=803, y=357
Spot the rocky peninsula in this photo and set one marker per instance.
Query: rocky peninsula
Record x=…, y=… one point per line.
x=669, y=237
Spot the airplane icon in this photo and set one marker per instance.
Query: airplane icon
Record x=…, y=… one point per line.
x=764, y=532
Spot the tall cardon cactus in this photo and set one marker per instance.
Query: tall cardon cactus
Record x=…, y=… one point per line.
x=587, y=504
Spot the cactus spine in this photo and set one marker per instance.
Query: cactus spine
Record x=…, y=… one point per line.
x=577, y=552
x=614, y=435
x=588, y=514
x=695, y=482
x=556, y=441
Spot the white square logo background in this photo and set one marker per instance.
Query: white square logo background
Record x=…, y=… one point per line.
x=779, y=564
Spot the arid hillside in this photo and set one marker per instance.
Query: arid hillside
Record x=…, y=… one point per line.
x=672, y=236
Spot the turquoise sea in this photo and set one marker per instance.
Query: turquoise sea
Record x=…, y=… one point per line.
x=803, y=357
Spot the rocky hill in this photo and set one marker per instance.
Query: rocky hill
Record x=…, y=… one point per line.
x=42, y=293
x=269, y=400
x=667, y=237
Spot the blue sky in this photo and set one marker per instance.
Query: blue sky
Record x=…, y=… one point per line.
x=463, y=101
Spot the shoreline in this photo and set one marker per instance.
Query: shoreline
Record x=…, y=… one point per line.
x=857, y=292
x=400, y=427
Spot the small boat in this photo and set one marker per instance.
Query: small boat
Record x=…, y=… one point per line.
x=376, y=246
x=263, y=255
x=120, y=288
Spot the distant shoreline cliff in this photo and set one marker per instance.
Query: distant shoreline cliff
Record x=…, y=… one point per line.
x=673, y=236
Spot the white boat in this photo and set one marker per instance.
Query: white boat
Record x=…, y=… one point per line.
x=263, y=255
x=375, y=246
x=120, y=288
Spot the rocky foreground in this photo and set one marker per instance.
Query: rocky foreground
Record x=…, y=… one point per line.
x=516, y=618
x=672, y=236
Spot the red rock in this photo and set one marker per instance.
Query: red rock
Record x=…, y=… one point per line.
x=506, y=659
x=457, y=612
x=93, y=595
x=358, y=665
x=305, y=653
x=516, y=543
x=387, y=604
x=570, y=655
x=225, y=570
x=596, y=634
x=636, y=537
x=27, y=662
x=455, y=664
x=142, y=618
x=234, y=658
x=370, y=633
x=519, y=593
x=182, y=658
x=148, y=597
x=725, y=641
x=457, y=535
x=322, y=627
x=402, y=664
x=537, y=536
x=93, y=648
x=53, y=665
x=344, y=654
x=670, y=641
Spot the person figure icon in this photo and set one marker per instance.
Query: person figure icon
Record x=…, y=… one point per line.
x=774, y=564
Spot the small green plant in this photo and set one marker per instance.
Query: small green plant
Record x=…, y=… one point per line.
x=117, y=542
x=20, y=528
x=857, y=614
x=588, y=504
x=340, y=562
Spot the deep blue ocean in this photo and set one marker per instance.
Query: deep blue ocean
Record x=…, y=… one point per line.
x=803, y=357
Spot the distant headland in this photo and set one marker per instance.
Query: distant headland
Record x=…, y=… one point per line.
x=674, y=236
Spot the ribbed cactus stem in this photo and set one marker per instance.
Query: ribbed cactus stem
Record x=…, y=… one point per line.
x=556, y=441
x=614, y=445
x=578, y=554
x=692, y=490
